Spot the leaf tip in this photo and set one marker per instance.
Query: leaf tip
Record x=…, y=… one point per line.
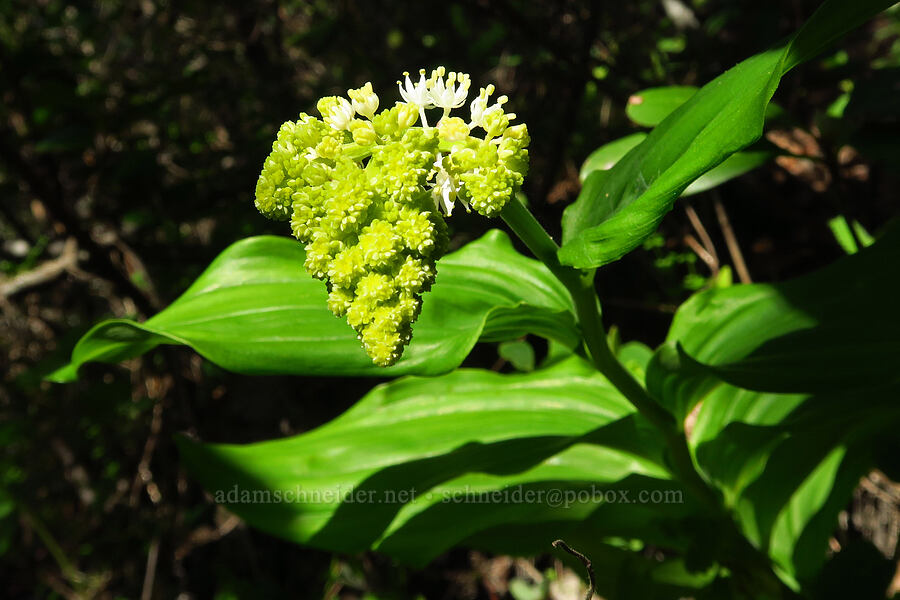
x=64, y=374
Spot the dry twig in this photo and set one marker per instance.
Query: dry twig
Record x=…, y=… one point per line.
x=46, y=271
x=704, y=255
x=731, y=241
x=697, y=224
x=150, y=572
x=585, y=560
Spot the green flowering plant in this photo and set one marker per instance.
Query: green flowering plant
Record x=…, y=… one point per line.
x=367, y=192
x=728, y=449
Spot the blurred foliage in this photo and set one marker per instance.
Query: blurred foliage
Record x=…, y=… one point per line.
x=138, y=129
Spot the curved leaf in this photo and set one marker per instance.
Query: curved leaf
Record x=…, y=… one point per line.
x=606, y=156
x=255, y=310
x=627, y=203
x=651, y=106
x=734, y=166
x=788, y=464
x=832, y=330
x=421, y=465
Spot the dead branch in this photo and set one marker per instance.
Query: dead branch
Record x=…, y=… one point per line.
x=704, y=255
x=46, y=271
x=697, y=224
x=731, y=241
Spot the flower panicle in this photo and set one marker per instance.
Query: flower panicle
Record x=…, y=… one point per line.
x=367, y=190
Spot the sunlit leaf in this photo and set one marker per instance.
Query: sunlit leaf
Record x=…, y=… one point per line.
x=622, y=207
x=255, y=310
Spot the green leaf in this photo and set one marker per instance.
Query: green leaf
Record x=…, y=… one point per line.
x=836, y=329
x=606, y=156
x=788, y=464
x=625, y=205
x=651, y=106
x=842, y=233
x=734, y=166
x=519, y=353
x=829, y=23
x=847, y=238
x=635, y=356
x=786, y=452
x=421, y=465
x=862, y=234
x=255, y=310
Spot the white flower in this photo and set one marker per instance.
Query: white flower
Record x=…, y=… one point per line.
x=479, y=105
x=448, y=96
x=445, y=189
x=489, y=117
x=417, y=93
x=365, y=101
x=338, y=113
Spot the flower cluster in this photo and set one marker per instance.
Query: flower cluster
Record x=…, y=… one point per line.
x=365, y=191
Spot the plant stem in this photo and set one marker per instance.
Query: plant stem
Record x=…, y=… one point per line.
x=581, y=286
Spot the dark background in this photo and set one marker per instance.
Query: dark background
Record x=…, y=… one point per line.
x=131, y=136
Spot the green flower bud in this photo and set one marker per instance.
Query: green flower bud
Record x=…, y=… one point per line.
x=282, y=171
x=414, y=276
x=365, y=195
x=329, y=147
x=513, y=149
x=453, y=129
x=319, y=254
x=379, y=244
x=363, y=132
x=316, y=173
x=406, y=116
x=394, y=122
x=339, y=300
x=347, y=267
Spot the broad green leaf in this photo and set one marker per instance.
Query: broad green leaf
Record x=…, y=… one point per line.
x=651, y=106
x=828, y=344
x=255, y=310
x=625, y=205
x=421, y=465
x=734, y=166
x=836, y=329
x=606, y=156
x=788, y=464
